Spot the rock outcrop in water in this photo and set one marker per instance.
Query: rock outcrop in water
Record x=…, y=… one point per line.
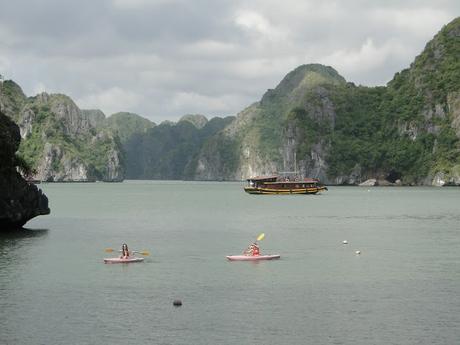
x=19, y=200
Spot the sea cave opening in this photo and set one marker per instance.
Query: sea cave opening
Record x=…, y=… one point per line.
x=393, y=176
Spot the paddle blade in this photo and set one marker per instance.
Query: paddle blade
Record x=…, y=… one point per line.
x=144, y=253
x=108, y=250
x=261, y=237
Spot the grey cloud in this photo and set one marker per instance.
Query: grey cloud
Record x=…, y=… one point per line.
x=163, y=58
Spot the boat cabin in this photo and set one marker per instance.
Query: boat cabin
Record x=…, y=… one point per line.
x=283, y=185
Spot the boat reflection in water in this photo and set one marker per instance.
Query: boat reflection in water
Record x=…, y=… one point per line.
x=283, y=185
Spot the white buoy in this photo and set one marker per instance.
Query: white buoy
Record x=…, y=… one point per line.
x=358, y=252
x=345, y=242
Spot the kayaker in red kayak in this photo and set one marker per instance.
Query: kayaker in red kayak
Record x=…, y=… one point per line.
x=124, y=251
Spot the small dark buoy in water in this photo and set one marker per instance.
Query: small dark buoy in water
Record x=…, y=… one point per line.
x=177, y=303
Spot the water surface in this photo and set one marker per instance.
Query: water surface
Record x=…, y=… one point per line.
x=404, y=288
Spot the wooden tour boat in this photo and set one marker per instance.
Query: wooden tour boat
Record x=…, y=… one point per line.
x=283, y=185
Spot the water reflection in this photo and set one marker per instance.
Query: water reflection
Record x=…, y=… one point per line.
x=21, y=233
x=14, y=242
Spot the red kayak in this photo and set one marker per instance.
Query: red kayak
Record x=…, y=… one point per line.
x=123, y=261
x=252, y=257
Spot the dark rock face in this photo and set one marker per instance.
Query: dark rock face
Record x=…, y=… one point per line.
x=19, y=200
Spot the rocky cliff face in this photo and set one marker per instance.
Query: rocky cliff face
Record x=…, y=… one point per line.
x=19, y=200
x=266, y=136
x=169, y=150
x=60, y=141
x=125, y=125
x=95, y=117
x=199, y=121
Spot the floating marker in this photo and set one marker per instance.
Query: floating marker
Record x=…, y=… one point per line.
x=345, y=242
x=358, y=252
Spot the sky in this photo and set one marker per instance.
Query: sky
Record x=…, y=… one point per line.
x=166, y=58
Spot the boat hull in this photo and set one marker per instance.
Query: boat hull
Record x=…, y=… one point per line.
x=252, y=258
x=122, y=261
x=258, y=190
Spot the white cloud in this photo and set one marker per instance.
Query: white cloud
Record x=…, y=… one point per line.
x=134, y=4
x=39, y=88
x=419, y=22
x=167, y=58
x=369, y=56
x=255, y=22
x=260, y=68
x=4, y=66
x=209, y=48
x=110, y=101
x=198, y=103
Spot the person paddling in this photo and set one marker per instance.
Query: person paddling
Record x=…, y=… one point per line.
x=124, y=251
x=252, y=250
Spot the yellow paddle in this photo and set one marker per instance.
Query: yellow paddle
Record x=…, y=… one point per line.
x=260, y=237
x=146, y=253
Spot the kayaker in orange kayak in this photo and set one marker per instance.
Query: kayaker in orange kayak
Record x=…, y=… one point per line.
x=124, y=251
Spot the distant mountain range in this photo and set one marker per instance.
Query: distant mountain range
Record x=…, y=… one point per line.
x=407, y=132
x=171, y=150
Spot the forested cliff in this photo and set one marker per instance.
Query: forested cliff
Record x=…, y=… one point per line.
x=407, y=132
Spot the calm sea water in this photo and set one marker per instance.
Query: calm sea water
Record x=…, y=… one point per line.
x=404, y=288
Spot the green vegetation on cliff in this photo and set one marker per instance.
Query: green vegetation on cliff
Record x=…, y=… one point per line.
x=344, y=133
x=61, y=142
x=404, y=128
x=169, y=151
x=126, y=124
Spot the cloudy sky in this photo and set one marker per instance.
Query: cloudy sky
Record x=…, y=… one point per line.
x=166, y=58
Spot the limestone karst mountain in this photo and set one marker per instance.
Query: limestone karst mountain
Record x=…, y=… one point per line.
x=407, y=132
x=60, y=141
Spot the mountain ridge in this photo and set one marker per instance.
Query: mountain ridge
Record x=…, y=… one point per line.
x=345, y=134
x=407, y=132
